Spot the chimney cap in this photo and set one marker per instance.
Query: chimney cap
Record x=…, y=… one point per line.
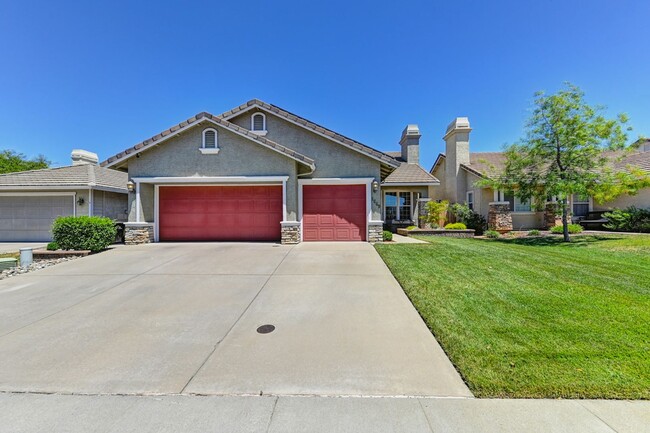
x=459, y=123
x=80, y=156
x=411, y=129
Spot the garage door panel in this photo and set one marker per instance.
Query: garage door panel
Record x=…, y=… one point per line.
x=30, y=218
x=220, y=213
x=334, y=212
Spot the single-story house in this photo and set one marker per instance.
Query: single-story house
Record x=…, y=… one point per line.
x=260, y=173
x=459, y=170
x=31, y=200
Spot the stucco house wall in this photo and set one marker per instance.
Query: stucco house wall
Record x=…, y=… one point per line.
x=181, y=157
x=640, y=200
x=110, y=204
x=332, y=160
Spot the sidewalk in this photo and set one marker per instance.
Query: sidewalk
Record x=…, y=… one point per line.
x=22, y=412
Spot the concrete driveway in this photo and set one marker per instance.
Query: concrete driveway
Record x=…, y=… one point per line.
x=182, y=318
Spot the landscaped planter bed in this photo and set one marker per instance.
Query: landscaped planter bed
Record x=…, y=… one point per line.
x=467, y=233
x=47, y=254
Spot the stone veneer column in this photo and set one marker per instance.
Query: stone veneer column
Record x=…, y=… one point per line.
x=138, y=233
x=290, y=232
x=551, y=216
x=375, y=231
x=499, y=217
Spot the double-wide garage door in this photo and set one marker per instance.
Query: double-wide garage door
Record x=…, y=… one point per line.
x=29, y=218
x=220, y=213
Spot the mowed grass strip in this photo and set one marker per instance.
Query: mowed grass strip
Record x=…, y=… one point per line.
x=535, y=317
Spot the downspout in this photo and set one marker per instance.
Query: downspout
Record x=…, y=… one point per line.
x=90, y=202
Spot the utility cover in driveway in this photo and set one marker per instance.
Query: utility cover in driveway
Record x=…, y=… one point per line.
x=334, y=212
x=220, y=213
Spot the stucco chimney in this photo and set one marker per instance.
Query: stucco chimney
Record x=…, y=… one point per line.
x=410, y=143
x=456, y=153
x=80, y=156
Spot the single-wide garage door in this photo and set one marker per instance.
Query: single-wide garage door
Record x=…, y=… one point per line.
x=334, y=213
x=219, y=213
x=29, y=217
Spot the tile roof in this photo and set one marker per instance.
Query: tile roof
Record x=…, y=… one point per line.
x=195, y=120
x=486, y=163
x=82, y=175
x=341, y=139
x=410, y=174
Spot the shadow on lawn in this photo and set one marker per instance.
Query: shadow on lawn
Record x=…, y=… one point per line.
x=549, y=241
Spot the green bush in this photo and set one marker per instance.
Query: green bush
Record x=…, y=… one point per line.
x=630, y=219
x=84, y=232
x=534, y=232
x=411, y=227
x=456, y=226
x=387, y=236
x=492, y=234
x=573, y=229
x=52, y=246
x=471, y=219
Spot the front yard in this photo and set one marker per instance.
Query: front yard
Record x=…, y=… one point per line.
x=535, y=317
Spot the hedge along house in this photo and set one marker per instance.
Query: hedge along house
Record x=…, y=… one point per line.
x=459, y=170
x=31, y=200
x=259, y=173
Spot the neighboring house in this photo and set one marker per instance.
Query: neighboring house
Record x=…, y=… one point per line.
x=31, y=200
x=260, y=173
x=459, y=169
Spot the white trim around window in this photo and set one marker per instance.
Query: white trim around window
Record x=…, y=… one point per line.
x=339, y=181
x=469, y=199
x=207, y=148
x=255, y=130
x=397, y=206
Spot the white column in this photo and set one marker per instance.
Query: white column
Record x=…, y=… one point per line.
x=137, y=202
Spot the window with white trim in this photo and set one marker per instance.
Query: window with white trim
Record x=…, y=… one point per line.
x=470, y=200
x=258, y=122
x=580, y=205
x=397, y=206
x=209, y=139
x=522, y=205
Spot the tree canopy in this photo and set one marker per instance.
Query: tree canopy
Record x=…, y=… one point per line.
x=11, y=162
x=569, y=147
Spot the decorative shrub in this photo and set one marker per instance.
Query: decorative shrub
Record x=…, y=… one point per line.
x=387, y=236
x=573, y=229
x=630, y=219
x=437, y=213
x=52, y=246
x=84, y=233
x=411, y=227
x=471, y=219
x=492, y=234
x=456, y=226
x=534, y=232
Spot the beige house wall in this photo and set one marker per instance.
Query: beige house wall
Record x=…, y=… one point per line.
x=641, y=200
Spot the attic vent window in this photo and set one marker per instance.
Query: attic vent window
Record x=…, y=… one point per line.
x=258, y=123
x=209, y=144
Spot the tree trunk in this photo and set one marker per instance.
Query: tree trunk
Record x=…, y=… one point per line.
x=565, y=217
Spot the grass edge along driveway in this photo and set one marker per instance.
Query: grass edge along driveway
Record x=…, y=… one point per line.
x=533, y=317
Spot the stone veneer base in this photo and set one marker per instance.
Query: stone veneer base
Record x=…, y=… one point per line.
x=376, y=232
x=138, y=233
x=290, y=233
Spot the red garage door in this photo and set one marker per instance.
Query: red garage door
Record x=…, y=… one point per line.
x=334, y=213
x=219, y=213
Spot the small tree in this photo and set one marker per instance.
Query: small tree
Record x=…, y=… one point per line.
x=437, y=213
x=11, y=162
x=564, y=152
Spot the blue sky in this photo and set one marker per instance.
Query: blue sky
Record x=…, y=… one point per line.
x=105, y=75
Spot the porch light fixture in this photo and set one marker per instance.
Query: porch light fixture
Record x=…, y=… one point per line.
x=80, y=201
x=375, y=185
x=130, y=186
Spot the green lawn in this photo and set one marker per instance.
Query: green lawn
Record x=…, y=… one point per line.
x=536, y=317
